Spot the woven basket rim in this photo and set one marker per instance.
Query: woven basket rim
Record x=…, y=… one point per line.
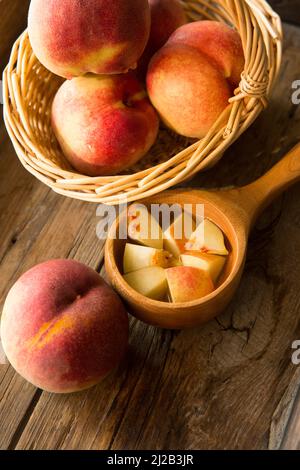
x=26, y=113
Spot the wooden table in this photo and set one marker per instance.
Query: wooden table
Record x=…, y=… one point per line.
x=228, y=385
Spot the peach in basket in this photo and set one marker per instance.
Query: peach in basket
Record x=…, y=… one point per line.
x=29, y=90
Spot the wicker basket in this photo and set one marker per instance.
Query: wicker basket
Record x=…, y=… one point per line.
x=29, y=90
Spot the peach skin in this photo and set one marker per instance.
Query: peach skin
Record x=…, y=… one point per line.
x=220, y=43
x=188, y=283
x=191, y=79
x=166, y=17
x=186, y=89
x=63, y=328
x=104, y=124
x=72, y=37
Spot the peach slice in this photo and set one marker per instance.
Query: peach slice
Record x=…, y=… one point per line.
x=187, y=283
x=213, y=265
x=138, y=257
x=143, y=228
x=176, y=236
x=209, y=238
x=150, y=282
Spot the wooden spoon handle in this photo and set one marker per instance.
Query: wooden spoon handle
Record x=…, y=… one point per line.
x=255, y=197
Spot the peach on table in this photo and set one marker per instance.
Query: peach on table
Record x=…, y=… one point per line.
x=62, y=327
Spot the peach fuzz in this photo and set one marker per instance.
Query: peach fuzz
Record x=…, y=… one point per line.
x=166, y=17
x=63, y=328
x=104, y=124
x=220, y=43
x=186, y=89
x=71, y=37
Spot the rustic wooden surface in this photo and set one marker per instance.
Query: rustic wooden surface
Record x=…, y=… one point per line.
x=228, y=385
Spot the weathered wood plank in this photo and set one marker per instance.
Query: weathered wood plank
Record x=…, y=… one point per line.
x=219, y=387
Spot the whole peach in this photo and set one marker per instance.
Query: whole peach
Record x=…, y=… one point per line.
x=74, y=37
x=104, y=124
x=63, y=328
x=166, y=17
x=187, y=90
x=218, y=42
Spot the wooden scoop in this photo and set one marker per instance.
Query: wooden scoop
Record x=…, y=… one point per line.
x=235, y=212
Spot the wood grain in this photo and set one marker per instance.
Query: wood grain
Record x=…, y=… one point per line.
x=228, y=385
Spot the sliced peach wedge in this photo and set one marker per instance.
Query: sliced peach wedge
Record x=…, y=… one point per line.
x=150, y=282
x=138, y=257
x=213, y=265
x=181, y=264
x=208, y=238
x=187, y=283
x=143, y=228
x=176, y=236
